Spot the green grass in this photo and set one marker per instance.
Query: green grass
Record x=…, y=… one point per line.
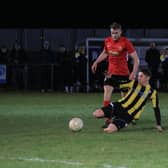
x=34, y=134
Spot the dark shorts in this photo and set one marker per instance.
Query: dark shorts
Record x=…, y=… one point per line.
x=119, y=116
x=116, y=80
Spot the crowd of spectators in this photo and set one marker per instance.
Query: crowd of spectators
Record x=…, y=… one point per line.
x=66, y=71
x=45, y=70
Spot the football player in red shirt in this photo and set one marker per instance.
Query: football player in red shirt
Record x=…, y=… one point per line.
x=117, y=48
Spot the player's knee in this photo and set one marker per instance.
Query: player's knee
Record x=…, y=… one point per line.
x=98, y=113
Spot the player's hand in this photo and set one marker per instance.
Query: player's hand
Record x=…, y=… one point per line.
x=132, y=76
x=94, y=67
x=159, y=128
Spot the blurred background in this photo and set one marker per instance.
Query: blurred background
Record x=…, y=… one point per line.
x=59, y=59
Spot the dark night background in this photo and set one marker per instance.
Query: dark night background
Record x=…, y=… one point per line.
x=70, y=15
x=84, y=14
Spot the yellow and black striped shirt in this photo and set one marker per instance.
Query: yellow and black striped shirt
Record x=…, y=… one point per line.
x=136, y=98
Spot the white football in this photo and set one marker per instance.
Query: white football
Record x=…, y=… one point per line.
x=75, y=124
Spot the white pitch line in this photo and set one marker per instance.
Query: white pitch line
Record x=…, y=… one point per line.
x=41, y=160
x=105, y=165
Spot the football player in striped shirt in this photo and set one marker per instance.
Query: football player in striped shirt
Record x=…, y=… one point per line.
x=130, y=107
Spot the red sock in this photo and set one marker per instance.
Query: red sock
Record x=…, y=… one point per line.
x=108, y=120
x=106, y=103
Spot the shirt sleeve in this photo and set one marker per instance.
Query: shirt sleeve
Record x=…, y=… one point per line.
x=127, y=85
x=155, y=104
x=129, y=46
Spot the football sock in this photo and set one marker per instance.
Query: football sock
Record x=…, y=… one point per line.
x=106, y=103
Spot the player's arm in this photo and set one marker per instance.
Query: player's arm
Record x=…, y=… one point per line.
x=135, y=58
x=103, y=55
x=155, y=104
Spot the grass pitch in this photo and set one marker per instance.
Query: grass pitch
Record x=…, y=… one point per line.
x=34, y=133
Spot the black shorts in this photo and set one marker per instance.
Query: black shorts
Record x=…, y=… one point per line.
x=119, y=115
x=116, y=80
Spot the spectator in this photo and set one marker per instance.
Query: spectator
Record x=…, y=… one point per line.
x=164, y=65
x=47, y=58
x=80, y=68
x=152, y=58
x=17, y=60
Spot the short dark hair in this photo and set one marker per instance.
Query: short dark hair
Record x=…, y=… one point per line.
x=115, y=25
x=146, y=71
